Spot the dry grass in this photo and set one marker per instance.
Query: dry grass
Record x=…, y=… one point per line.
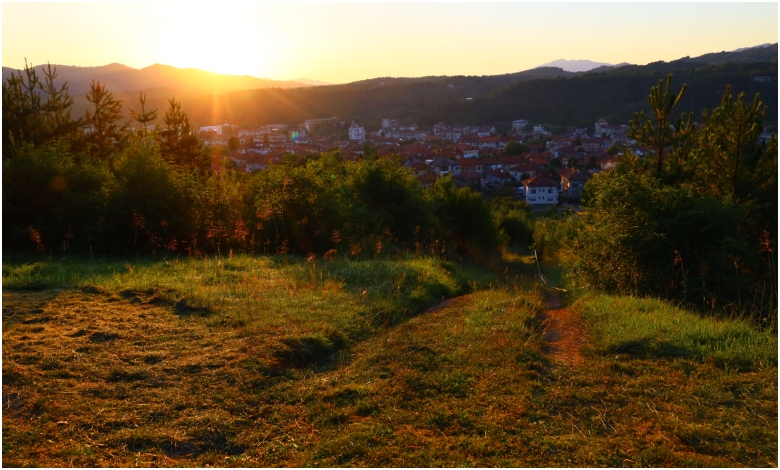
x=118, y=372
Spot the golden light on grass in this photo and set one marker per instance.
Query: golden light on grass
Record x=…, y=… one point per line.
x=274, y=362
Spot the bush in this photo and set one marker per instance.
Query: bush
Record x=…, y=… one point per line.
x=513, y=218
x=149, y=202
x=464, y=217
x=642, y=237
x=45, y=192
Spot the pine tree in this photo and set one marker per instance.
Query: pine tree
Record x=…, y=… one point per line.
x=22, y=109
x=58, y=121
x=178, y=142
x=728, y=151
x=143, y=117
x=26, y=117
x=657, y=132
x=106, y=135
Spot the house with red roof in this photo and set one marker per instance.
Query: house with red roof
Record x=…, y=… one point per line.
x=472, y=165
x=572, y=182
x=466, y=151
x=498, y=177
x=540, y=192
x=524, y=169
x=468, y=178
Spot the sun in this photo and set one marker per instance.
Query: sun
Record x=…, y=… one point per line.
x=220, y=41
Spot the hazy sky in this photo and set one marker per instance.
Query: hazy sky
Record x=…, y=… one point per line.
x=342, y=42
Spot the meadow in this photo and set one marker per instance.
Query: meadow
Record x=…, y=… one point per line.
x=283, y=361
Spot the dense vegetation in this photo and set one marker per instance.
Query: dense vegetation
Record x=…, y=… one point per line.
x=696, y=221
x=112, y=191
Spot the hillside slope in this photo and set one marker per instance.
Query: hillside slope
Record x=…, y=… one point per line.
x=576, y=100
x=120, y=78
x=270, y=362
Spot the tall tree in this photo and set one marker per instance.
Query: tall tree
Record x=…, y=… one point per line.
x=21, y=108
x=728, y=147
x=27, y=117
x=658, y=132
x=143, y=117
x=106, y=135
x=58, y=121
x=178, y=142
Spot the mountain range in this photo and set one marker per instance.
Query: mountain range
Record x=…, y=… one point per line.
x=578, y=65
x=121, y=78
x=545, y=95
x=213, y=98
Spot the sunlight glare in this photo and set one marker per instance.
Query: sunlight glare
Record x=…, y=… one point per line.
x=222, y=42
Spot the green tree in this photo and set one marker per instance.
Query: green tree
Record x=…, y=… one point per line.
x=144, y=116
x=148, y=202
x=658, y=132
x=45, y=188
x=465, y=219
x=728, y=150
x=26, y=117
x=641, y=236
x=106, y=136
x=21, y=108
x=178, y=142
x=514, y=147
x=233, y=144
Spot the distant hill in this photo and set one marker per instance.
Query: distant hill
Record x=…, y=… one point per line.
x=545, y=95
x=306, y=81
x=159, y=82
x=576, y=65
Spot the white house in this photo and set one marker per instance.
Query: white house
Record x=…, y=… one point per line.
x=389, y=123
x=357, y=133
x=540, y=191
x=519, y=124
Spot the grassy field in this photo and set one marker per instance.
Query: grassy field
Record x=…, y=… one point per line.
x=283, y=362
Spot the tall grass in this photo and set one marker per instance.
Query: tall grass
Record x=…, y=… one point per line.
x=654, y=328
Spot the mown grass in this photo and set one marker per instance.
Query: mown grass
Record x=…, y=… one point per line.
x=255, y=362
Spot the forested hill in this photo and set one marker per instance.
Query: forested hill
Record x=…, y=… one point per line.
x=545, y=95
x=120, y=78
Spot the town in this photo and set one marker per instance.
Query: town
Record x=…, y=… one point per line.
x=537, y=166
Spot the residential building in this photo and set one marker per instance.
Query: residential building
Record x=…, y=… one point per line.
x=519, y=124
x=498, y=177
x=389, y=123
x=357, y=133
x=445, y=166
x=572, y=182
x=540, y=191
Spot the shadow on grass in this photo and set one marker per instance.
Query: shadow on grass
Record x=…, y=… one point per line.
x=309, y=350
x=653, y=348
x=650, y=348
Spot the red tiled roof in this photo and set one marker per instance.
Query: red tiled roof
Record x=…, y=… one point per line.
x=498, y=174
x=539, y=180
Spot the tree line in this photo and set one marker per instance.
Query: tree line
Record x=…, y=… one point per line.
x=695, y=221
x=92, y=185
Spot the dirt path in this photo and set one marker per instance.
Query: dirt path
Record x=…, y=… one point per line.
x=564, y=332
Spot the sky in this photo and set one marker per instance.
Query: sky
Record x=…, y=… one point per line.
x=344, y=42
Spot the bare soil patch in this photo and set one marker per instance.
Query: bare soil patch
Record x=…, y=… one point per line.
x=564, y=332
